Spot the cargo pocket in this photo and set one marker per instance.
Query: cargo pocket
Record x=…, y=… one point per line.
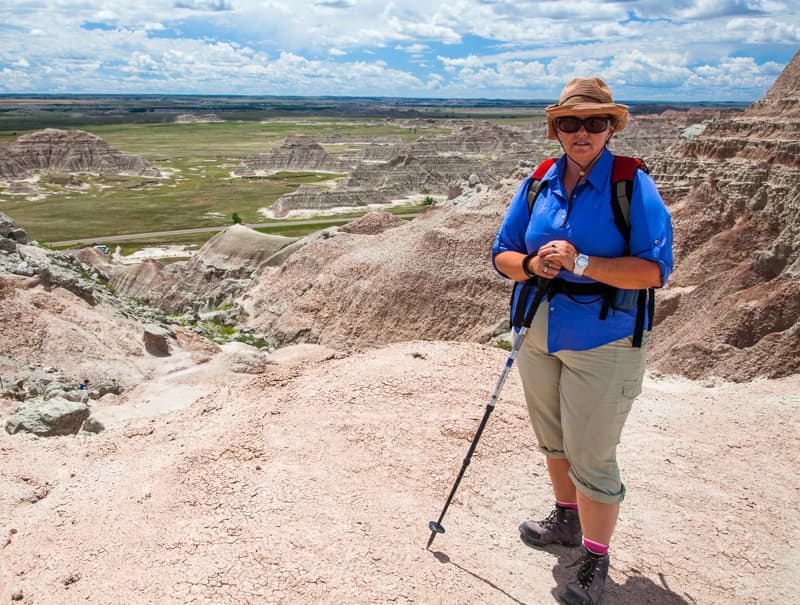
x=631, y=389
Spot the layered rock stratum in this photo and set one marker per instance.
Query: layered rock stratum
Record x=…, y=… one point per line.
x=71, y=151
x=297, y=153
x=193, y=118
x=734, y=192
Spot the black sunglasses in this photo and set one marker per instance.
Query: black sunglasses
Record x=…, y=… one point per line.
x=594, y=124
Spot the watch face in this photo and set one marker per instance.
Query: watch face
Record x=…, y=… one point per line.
x=582, y=260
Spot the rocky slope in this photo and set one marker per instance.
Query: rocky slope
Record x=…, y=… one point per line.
x=61, y=320
x=429, y=278
x=219, y=271
x=54, y=150
x=735, y=198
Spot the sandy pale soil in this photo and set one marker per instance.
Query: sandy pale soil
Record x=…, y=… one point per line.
x=313, y=482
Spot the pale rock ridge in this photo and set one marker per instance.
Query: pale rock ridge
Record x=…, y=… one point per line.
x=318, y=197
x=191, y=118
x=297, y=153
x=54, y=150
x=390, y=170
x=222, y=267
x=373, y=223
x=783, y=97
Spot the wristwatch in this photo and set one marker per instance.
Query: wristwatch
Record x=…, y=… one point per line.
x=581, y=262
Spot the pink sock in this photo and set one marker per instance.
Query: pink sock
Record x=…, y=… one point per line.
x=572, y=505
x=595, y=547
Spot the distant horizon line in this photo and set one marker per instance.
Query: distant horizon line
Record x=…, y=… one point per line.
x=505, y=100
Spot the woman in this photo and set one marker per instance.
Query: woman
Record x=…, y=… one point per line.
x=579, y=370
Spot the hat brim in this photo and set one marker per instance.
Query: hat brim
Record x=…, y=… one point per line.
x=617, y=112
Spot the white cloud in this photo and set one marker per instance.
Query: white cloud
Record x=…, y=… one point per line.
x=413, y=49
x=527, y=48
x=204, y=5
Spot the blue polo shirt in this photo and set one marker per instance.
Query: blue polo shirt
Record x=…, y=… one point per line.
x=587, y=221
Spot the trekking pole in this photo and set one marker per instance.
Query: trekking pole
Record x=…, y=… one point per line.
x=436, y=526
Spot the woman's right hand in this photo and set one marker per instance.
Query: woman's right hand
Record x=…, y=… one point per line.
x=547, y=266
x=510, y=263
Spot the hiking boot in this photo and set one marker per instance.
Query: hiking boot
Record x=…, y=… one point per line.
x=589, y=581
x=562, y=526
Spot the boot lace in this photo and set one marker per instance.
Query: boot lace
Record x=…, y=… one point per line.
x=589, y=564
x=554, y=518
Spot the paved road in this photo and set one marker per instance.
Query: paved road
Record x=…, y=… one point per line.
x=134, y=236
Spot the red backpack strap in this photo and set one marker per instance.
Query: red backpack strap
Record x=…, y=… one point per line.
x=622, y=175
x=537, y=181
x=624, y=168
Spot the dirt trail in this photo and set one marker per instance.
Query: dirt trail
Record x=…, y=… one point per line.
x=314, y=482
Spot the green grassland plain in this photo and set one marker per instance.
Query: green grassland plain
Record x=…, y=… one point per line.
x=198, y=158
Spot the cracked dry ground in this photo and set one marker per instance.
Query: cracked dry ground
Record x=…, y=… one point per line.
x=314, y=483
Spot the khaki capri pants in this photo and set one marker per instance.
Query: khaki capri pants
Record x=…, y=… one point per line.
x=578, y=402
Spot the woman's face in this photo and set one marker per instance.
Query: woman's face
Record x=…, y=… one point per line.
x=584, y=138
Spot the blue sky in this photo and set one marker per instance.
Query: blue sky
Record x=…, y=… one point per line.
x=707, y=50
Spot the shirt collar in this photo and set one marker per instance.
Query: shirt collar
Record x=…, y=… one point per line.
x=600, y=175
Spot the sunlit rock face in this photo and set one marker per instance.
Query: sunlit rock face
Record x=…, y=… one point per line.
x=734, y=192
x=297, y=153
x=70, y=151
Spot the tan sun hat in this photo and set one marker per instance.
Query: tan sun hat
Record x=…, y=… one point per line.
x=586, y=97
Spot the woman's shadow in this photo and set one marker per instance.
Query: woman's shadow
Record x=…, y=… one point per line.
x=637, y=589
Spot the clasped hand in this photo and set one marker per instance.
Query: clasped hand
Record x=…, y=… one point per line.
x=554, y=256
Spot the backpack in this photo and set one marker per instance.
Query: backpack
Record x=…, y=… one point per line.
x=622, y=175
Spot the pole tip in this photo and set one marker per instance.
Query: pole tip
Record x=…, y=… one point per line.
x=435, y=528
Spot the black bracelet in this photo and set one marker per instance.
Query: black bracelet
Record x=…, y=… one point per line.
x=525, y=262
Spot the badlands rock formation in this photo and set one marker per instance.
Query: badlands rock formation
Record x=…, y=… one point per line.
x=731, y=310
x=54, y=150
x=192, y=118
x=735, y=198
x=388, y=169
x=297, y=153
x=221, y=269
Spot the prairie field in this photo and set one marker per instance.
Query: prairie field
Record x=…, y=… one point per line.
x=198, y=189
